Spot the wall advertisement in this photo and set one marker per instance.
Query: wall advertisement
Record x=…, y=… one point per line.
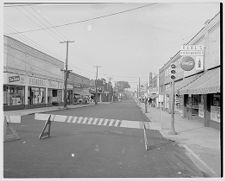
x=215, y=113
x=201, y=110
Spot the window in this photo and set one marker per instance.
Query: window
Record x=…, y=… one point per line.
x=37, y=95
x=13, y=95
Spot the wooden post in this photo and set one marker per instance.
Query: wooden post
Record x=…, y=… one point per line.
x=173, y=132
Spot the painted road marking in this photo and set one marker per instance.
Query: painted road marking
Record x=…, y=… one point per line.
x=90, y=120
x=74, y=119
x=99, y=121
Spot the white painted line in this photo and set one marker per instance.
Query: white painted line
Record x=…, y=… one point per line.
x=105, y=123
x=75, y=119
x=39, y=116
x=60, y=118
x=96, y=119
x=111, y=122
x=69, y=119
x=117, y=123
x=79, y=120
x=100, y=122
x=84, y=121
x=130, y=124
x=89, y=120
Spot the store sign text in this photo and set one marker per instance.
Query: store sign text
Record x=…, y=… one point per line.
x=37, y=82
x=14, y=78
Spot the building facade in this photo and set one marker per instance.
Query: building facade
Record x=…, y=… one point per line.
x=78, y=88
x=31, y=78
x=198, y=94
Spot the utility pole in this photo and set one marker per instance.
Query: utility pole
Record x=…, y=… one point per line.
x=173, y=132
x=139, y=87
x=66, y=72
x=96, y=89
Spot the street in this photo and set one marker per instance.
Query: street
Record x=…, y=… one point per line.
x=92, y=151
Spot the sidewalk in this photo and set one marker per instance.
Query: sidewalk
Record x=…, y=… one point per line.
x=44, y=109
x=201, y=143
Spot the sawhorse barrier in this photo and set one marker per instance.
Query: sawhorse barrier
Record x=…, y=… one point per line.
x=10, y=133
x=48, y=118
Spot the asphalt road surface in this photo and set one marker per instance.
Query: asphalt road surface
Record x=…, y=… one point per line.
x=90, y=151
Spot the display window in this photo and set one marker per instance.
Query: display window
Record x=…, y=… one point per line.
x=13, y=95
x=36, y=95
x=54, y=96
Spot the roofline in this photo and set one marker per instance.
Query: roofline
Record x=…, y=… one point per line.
x=161, y=69
x=34, y=48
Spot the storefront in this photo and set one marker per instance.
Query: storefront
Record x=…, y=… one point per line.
x=55, y=93
x=14, y=91
x=202, y=98
x=22, y=91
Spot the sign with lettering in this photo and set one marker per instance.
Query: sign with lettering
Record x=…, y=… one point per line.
x=37, y=82
x=215, y=113
x=201, y=110
x=187, y=63
x=192, y=50
x=14, y=78
x=53, y=84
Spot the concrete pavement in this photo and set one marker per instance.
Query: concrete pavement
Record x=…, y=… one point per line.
x=43, y=109
x=201, y=143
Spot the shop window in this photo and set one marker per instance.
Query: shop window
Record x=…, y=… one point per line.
x=13, y=95
x=195, y=100
x=54, y=93
x=216, y=100
x=37, y=95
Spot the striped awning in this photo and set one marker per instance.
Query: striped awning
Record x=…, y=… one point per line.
x=182, y=83
x=208, y=82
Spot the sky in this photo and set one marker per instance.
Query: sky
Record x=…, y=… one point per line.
x=127, y=40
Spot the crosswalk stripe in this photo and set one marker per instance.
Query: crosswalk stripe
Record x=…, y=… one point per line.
x=105, y=123
x=119, y=123
x=84, y=121
x=74, y=119
x=90, y=120
x=69, y=119
x=108, y=122
x=79, y=120
x=111, y=122
x=100, y=122
x=114, y=122
x=95, y=121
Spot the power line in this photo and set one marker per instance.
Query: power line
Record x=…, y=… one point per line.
x=48, y=23
x=87, y=20
x=36, y=21
x=29, y=40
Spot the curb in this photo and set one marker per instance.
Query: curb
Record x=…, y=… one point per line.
x=198, y=162
x=201, y=165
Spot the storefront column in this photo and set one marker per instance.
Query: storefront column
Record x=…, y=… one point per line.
x=26, y=95
x=206, y=111
x=63, y=95
x=46, y=97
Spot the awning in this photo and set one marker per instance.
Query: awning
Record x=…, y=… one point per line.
x=208, y=82
x=153, y=96
x=83, y=92
x=182, y=83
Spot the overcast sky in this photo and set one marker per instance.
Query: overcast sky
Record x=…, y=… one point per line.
x=126, y=45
